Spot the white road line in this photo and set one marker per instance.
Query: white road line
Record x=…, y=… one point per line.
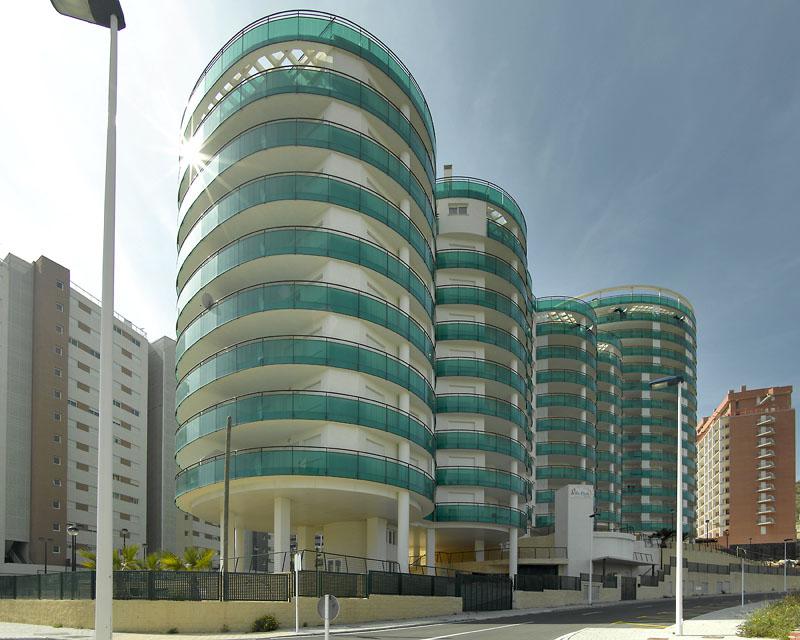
x=464, y=633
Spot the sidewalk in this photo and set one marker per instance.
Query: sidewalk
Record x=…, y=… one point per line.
x=720, y=625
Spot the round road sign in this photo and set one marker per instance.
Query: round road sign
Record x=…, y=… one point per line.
x=333, y=607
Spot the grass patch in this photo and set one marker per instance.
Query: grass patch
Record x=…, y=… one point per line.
x=776, y=620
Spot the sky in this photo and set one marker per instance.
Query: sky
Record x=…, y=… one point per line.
x=646, y=141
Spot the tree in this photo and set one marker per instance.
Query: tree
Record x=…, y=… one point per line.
x=153, y=561
x=124, y=559
x=193, y=559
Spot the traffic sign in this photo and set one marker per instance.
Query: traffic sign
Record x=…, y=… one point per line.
x=333, y=607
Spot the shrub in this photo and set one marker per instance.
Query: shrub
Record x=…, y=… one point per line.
x=224, y=628
x=777, y=620
x=264, y=623
x=173, y=630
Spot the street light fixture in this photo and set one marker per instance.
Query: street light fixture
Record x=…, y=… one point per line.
x=104, y=13
x=785, y=562
x=72, y=530
x=662, y=383
x=124, y=534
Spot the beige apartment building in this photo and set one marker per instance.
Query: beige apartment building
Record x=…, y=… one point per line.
x=745, y=489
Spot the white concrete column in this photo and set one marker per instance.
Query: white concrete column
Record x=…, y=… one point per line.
x=513, y=552
x=405, y=206
x=240, y=552
x=479, y=549
x=231, y=533
x=430, y=550
x=403, y=449
x=402, y=529
x=281, y=531
x=376, y=538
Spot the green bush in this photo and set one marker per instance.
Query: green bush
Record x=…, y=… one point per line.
x=777, y=620
x=173, y=630
x=264, y=623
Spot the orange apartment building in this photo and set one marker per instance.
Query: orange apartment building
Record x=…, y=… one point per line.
x=746, y=468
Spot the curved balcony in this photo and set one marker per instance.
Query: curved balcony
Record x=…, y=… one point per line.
x=308, y=241
x=565, y=449
x=648, y=335
x=564, y=472
x=568, y=376
x=565, y=424
x=608, y=456
x=308, y=296
x=293, y=350
x=479, y=513
x=608, y=496
x=485, y=333
x=609, y=398
x=297, y=132
x=667, y=491
x=610, y=358
x=482, y=477
x=608, y=476
x=657, y=352
x=606, y=436
x=561, y=308
x=290, y=187
x=611, y=340
x=646, y=318
x=483, y=405
x=609, y=378
x=557, y=327
x=662, y=371
x=315, y=81
x=483, y=369
x=564, y=352
x=309, y=26
x=570, y=400
x=288, y=405
x=502, y=235
x=483, y=441
x=665, y=301
x=659, y=474
x=487, y=298
x=484, y=262
x=475, y=189
x=305, y=461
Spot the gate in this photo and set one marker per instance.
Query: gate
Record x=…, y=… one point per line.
x=628, y=590
x=485, y=592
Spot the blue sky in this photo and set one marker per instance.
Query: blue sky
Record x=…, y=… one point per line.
x=647, y=142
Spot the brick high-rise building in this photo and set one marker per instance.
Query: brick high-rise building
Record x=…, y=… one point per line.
x=745, y=489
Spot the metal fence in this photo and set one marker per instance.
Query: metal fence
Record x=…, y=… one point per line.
x=525, y=582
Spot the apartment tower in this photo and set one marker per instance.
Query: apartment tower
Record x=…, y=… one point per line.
x=745, y=487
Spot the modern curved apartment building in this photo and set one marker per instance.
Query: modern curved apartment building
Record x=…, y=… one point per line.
x=484, y=311
x=305, y=285
x=656, y=330
x=566, y=399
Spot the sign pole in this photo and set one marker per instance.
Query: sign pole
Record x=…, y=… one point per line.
x=298, y=560
x=327, y=617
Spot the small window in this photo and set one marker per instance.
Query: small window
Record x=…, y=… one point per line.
x=56, y=394
x=56, y=526
x=59, y=284
x=56, y=549
x=56, y=438
x=457, y=210
x=57, y=372
x=57, y=416
x=59, y=329
x=56, y=504
x=57, y=460
x=59, y=351
x=56, y=482
x=59, y=307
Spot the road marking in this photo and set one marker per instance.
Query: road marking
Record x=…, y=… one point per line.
x=464, y=633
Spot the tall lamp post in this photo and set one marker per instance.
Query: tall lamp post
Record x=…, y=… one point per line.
x=661, y=383
x=72, y=531
x=124, y=534
x=785, y=562
x=45, y=541
x=744, y=553
x=104, y=13
x=591, y=551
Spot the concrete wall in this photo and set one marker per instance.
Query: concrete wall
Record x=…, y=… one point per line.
x=144, y=616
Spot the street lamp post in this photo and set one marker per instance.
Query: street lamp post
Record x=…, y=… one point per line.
x=124, y=534
x=591, y=550
x=707, y=521
x=104, y=13
x=744, y=553
x=660, y=383
x=785, y=562
x=44, y=541
x=72, y=530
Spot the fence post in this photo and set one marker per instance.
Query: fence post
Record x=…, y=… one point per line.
x=369, y=582
x=150, y=585
x=93, y=585
x=39, y=586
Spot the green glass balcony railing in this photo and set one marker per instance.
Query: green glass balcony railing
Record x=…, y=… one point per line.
x=566, y=305
x=483, y=405
x=655, y=421
x=479, y=368
x=607, y=417
x=609, y=378
x=643, y=298
x=485, y=333
x=655, y=403
x=565, y=375
x=307, y=187
x=643, y=316
x=607, y=456
x=482, y=477
x=480, y=297
x=320, y=134
x=565, y=329
x=609, y=358
x=565, y=424
x=659, y=456
x=566, y=352
x=545, y=520
x=612, y=339
x=311, y=296
x=608, y=476
x=608, y=496
x=316, y=81
x=608, y=516
x=660, y=370
x=657, y=439
x=638, y=385
x=327, y=352
x=309, y=241
x=502, y=235
x=609, y=398
x=548, y=496
x=483, y=441
x=305, y=405
x=476, y=189
x=477, y=512
x=480, y=261
x=310, y=26
x=657, y=474
x=657, y=352
x=570, y=400
x=647, y=508
x=605, y=436
x=305, y=461
x=564, y=473
x=565, y=449
x=663, y=491
x=664, y=336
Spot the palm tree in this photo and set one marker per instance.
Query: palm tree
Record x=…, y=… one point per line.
x=153, y=561
x=124, y=559
x=193, y=559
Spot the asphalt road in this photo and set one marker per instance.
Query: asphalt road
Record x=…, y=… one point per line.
x=653, y=614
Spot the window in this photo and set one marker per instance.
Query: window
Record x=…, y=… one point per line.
x=80, y=486
x=57, y=372
x=80, y=466
x=56, y=526
x=59, y=285
x=56, y=394
x=57, y=416
x=56, y=504
x=391, y=536
x=457, y=210
x=81, y=446
x=59, y=307
x=56, y=549
x=57, y=460
x=81, y=507
x=56, y=482
x=59, y=329
x=59, y=351
x=56, y=438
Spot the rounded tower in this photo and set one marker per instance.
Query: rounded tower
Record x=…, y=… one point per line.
x=306, y=234
x=483, y=368
x=566, y=409
x=608, y=453
x=656, y=328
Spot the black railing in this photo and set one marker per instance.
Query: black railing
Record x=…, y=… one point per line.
x=532, y=582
